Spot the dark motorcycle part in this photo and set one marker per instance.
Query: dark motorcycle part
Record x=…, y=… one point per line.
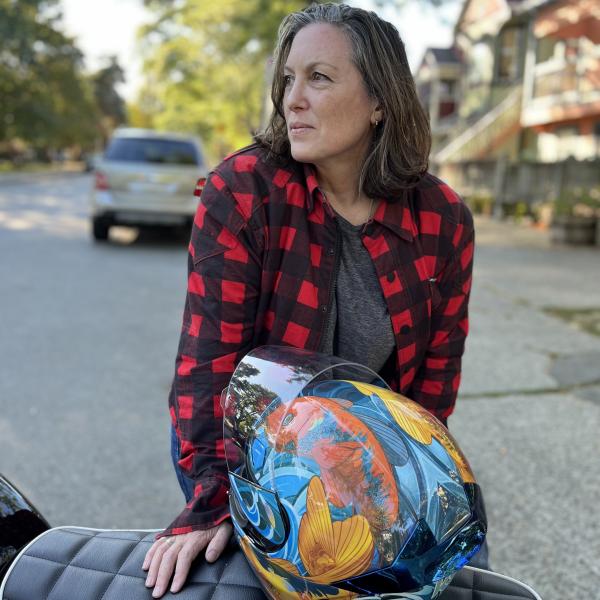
x=20, y=522
x=75, y=563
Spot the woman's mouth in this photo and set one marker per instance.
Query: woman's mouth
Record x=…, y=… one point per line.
x=300, y=129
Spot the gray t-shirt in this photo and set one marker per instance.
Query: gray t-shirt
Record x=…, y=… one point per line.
x=359, y=326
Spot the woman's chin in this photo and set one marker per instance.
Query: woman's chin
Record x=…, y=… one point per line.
x=301, y=154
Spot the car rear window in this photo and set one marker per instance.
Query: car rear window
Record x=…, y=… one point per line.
x=151, y=150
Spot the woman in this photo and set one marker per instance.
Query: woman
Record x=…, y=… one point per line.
x=327, y=234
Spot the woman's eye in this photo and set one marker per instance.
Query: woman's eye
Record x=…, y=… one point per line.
x=319, y=76
x=287, y=79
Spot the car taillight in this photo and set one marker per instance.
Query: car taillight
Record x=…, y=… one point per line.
x=101, y=181
x=200, y=185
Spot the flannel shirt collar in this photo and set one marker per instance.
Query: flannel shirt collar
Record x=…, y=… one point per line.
x=312, y=185
x=396, y=216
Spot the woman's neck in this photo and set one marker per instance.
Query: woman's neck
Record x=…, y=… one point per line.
x=340, y=185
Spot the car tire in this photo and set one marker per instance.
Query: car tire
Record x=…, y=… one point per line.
x=100, y=229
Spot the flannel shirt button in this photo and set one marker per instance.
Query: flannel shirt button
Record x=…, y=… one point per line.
x=404, y=329
x=330, y=251
x=391, y=276
x=324, y=308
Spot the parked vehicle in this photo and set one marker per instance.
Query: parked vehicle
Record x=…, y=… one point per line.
x=146, y=177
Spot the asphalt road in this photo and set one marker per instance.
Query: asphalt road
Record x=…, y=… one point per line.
x=89, y=335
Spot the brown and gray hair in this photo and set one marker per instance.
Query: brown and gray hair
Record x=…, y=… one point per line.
x=399, y=151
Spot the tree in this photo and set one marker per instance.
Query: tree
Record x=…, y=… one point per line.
x=110, y=104
x=44, y=98
x=400, y=4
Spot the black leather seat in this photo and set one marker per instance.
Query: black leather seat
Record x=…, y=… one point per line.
x=73, y=563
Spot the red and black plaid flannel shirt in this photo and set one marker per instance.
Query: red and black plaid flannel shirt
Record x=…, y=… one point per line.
x=261, y=267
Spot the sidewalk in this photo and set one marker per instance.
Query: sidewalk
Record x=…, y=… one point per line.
x=528, y=413
x=21, y=176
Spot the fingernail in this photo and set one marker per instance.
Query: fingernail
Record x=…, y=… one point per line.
x=210, y=556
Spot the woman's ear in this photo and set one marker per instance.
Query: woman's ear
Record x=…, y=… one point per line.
x=377, y=116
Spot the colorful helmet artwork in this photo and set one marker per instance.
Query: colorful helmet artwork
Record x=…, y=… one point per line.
x=341, y=488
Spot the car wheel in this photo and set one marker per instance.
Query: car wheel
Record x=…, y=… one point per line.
x=100, y=229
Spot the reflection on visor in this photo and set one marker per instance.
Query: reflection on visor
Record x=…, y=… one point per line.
x=265, y=383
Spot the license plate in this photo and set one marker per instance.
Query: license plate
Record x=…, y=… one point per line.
x=140, y=187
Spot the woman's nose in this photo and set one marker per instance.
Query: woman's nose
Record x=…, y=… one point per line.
x=295, y=97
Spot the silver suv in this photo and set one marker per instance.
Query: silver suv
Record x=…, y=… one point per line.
x=146, y=177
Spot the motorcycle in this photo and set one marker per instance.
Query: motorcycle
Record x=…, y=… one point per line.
x=38, y=561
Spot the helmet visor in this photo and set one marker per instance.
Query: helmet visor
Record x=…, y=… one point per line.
x=265, y=383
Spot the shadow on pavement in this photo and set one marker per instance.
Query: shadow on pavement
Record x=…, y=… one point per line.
x=149, y=237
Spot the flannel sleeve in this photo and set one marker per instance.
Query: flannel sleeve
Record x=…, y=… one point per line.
x=224, y=274
x=437, y=380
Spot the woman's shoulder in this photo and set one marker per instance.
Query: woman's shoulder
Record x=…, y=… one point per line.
x=435, y=195
x=252, y=164
x=239, y=186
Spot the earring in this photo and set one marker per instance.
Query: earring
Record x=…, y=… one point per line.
x=376, y=123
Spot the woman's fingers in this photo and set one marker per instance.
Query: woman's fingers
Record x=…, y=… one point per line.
x=175, y=554
x=218, y=542
x=185, y=558
x=195, y=542
x=165, y=566
x=159, y=548
x=149, y=555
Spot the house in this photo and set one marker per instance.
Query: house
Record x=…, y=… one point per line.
x=527, y=73
x=561, y=88
x=438, y=81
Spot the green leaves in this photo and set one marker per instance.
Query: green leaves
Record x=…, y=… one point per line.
x=400, y=4
x=45, y=101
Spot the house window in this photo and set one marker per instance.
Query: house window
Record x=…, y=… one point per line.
x=481, y=64
x=424, y=93
x=447, y=88
x=508, y=55
x=568, y=141
x=546, y=49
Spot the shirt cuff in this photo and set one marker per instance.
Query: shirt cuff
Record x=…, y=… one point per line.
x=209, y=508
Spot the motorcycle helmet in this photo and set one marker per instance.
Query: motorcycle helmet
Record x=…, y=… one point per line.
x=341, y=488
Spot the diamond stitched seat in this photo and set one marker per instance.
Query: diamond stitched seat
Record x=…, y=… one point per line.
x=74, y=563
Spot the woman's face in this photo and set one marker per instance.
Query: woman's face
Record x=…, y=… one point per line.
x=328, y=113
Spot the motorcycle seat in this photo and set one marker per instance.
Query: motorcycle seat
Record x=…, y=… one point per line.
x=77, y=563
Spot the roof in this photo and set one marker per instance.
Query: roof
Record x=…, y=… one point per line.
x=522, y=6
x=515, y=6
x=445, y=55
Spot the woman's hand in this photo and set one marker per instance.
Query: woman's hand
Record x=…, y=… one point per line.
x=177, y=552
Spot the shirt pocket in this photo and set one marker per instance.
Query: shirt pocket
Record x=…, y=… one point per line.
x=434, y=297
x=208, y=245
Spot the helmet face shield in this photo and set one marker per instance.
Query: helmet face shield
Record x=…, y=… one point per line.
x=340, y=487
x=262, y=389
